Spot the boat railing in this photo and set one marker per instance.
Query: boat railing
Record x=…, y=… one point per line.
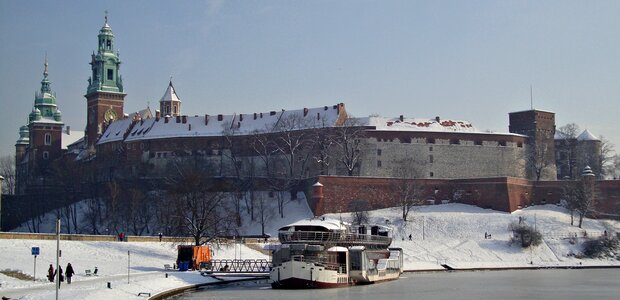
x=324, y=237
x=341, y=268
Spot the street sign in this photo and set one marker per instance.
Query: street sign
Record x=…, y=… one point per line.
x=35, y=251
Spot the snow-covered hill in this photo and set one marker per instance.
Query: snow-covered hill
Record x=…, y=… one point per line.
x=452, y=234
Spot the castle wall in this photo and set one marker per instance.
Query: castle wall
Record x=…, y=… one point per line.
x=444, y=155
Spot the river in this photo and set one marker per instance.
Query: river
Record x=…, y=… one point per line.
x=512, y=284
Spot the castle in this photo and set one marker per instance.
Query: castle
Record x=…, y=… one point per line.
x=289, y=144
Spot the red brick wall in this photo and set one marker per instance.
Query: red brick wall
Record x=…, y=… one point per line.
x=503, y=193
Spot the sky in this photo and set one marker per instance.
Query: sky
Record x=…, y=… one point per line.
x=464, y=60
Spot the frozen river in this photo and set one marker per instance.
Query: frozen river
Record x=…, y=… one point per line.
x=491, y=285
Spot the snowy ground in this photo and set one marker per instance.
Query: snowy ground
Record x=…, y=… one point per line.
x=450, y=234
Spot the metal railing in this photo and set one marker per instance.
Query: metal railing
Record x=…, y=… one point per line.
x=322, y=237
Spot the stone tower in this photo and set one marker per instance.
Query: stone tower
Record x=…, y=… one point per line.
x=539, y=126
x=170, y=104
x=104, y=96
x=39, y=142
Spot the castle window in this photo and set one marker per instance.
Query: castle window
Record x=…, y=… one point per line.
x=378, y=152
x=455, y=142
x=378, y=164
x=502, y=143
x=108, y=44
x=430, y=140
x=520, y=145
x=431, y=174
x=478, y=142
x=110, y=74
x=430, y=159
x=430, y=148
x=48, y=139
x=46, y=155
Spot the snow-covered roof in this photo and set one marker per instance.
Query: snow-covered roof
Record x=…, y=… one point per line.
x=170, y=94
x=239, y=124
x=329, y=224
x=416, y=124
x=586, y=135
x=70, y=137
x=115, y=131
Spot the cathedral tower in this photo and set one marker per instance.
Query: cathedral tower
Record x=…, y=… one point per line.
x=40, y=141
x=104, y=96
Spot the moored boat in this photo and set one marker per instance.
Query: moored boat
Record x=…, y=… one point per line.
x=319, y=253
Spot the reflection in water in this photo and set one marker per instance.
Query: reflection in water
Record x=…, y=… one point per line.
x=491, y=285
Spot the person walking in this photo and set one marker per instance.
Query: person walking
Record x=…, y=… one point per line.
x=50, y=273
x=69, y=272
x=62, y=276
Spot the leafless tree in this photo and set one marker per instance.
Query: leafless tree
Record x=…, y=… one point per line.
x=613, y=167
x=538, y=160
x=567, y=149
x=263, y=212
x=581, y=197
x=359, y=211
x=7, y=170
x=408, y=187
x=606, y=157
x=198, y=206
x=347, y=139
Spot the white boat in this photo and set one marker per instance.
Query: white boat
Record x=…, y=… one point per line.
x=319, y=253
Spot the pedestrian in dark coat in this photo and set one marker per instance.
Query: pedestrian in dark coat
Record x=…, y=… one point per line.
x=50, y=273
x=62, y=276
x=69, y=272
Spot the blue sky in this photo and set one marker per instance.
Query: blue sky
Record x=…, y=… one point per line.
x=469, y=60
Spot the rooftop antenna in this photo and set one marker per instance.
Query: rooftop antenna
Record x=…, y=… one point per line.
x=531, y=98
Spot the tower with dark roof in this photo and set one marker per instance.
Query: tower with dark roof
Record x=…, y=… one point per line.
x=170, y=104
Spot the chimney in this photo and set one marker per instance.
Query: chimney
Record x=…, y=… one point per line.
x=68, y=130
x=261, y=115
x=206, y=119
x=240, y=117
x=184, y=119
x=318, y=116
x=157, y=115
x=166, y=118
x=189, y=127
x=220, y=117
x=178, y=119
x=401, y=118
x=325, y=108
x=305, y=111
x=254, y=116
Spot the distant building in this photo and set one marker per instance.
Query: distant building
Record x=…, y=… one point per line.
x=574, y=154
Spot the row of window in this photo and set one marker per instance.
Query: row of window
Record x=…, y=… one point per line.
x=452, y=142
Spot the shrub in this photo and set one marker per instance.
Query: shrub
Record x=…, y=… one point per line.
x=601, y=247
x=525, y=234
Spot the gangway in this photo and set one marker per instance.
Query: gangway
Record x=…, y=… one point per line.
x=236, y=266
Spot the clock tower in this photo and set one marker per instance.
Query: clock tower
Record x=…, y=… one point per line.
x=104, y=95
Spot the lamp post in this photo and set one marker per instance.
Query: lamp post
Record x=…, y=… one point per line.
x=1, y=180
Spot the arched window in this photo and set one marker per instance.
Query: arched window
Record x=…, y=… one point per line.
x=48, y=139
x=46, y=155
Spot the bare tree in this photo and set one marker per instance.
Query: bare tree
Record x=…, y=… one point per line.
x=613, y=167
x=359, y=211
x=606, y=157
x=198, y=206
x=409, y=189
x=587, y=194
x=7, y=170
x=538, y=161
x=570, y=195
x=347, y=139
x=566, y=148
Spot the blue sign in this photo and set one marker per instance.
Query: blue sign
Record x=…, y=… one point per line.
x=35, y=250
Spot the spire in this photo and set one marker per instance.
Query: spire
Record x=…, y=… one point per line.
x=45, y=83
